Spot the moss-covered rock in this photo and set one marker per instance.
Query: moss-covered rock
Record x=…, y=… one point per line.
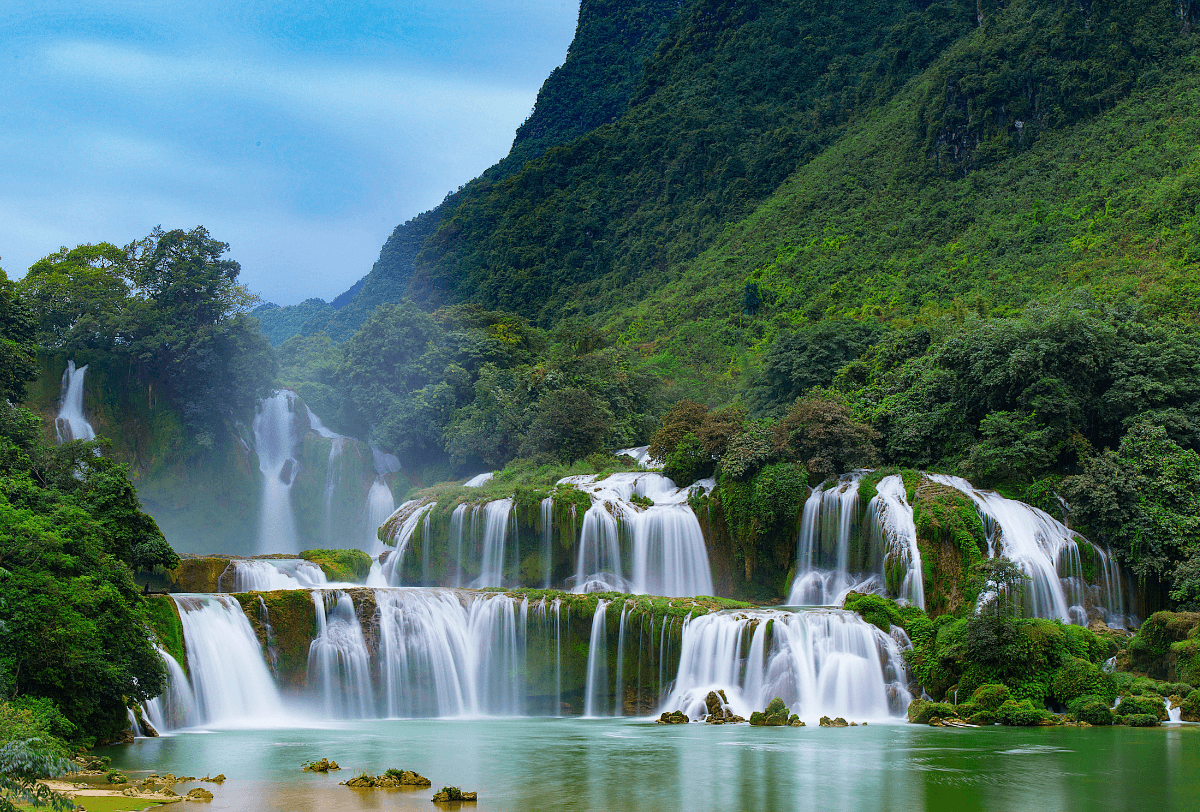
x=922, y=712
x=1140, y=705
x=285, y=622
x=199, y=574
x=1094, y=710
x=164, y=619
x=776, y=714
x=990, y=696
x=1190, y=707
x=951, y=539
x=344, y=566
x=1142, y=720
x=1153, y=648
x=1078, y=678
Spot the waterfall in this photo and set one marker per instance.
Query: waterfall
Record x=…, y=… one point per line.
x=821, y=662
x=258, y=575
x=832, y=559
x=403, y=521
x=338, y=663
x=380, y=501
x=71, y=423
x=893, y=530
x=231, y=683
x=275, y=441
x=640, y=455
x=175, y=707
x=547, y=540
x=479, y=480
x=1048, y=552
x=596, y=686
x=495, y=535
x=667, y=551
x=619, y=686
x=448, y=654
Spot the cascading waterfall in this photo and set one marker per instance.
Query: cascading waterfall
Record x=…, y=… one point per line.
x=380, y=501
x=1048, y=552
x=231, y=684
x=495, y=536
x=667, y=551
x=640, y=455
x=822, y=662
x=71, y=423
x=446, y=655
x=339, y=666
x=597, y=674
x=547, y=539
x=893, y=530
x=275, y=441
x=253, y=575
x=176, y=706
x=829, y=561
x=409, y=515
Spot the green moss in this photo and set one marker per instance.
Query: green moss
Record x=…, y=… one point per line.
x=991, y=696
x=341, y=565
x=921, y=712
x=163, y=616
x=1078, y=678
x=292, y=619
x=951, y=539
x=199, y=574
x=1191, y=707
x=1142, y=720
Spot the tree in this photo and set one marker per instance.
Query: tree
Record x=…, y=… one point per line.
x=1000, y=584
x=22, y=763
x=820, y=432
x=82, y=296
x=17, y=344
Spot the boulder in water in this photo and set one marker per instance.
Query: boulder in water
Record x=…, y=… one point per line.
x=675, y=717
x=776, y=714
x=198, y=794
x=322, y=766
x=838, y=722
x=446, y=794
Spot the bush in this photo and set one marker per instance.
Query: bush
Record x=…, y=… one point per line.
x=1191, y=707
x=991, y=696
x=1143, y=720
x=1091, y=709
x=1021, y=714
x=1141, y=705
x=983, y=717
x=1078, y=678
x=921, y=712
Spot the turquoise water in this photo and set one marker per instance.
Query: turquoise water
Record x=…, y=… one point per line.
x=617, y=765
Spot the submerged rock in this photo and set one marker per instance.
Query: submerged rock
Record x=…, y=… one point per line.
x=391, y=778
x=198, y=794
x=322, y=766
x=776, y=714
x=676, y=717
x=216, y=779
x=446, y=794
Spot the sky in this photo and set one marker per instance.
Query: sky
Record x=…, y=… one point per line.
x=301, y=133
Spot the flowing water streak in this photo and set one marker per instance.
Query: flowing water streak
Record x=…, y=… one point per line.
x=822, y=662
x=547, y=539
x=446, y=653
x=597, y=674
x=825, y=571
x=275, y=441
x=667, y=554
x=251, y=575
x=892, y=527
x=1047, y=551
x=175, y=707
x=231, y=684
x=619, y=687
x=71, y=423
x=407, y=516
x=339, y=666
x=495, y=535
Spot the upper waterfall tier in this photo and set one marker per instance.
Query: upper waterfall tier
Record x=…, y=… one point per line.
x=71, y=423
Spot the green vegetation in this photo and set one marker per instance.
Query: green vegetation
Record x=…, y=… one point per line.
x=341, y=565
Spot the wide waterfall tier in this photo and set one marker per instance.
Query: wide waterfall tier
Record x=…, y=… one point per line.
x=71, y=423
x=820, y=662
x=843, y=548
x=1052, y=555
x=412, y=652
x=257, y=575
x=637, y=534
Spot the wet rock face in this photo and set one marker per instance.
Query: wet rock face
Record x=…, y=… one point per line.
x=776, y=714
x=676, y=717
x=838, y=722
x=718, y=710
x=322, y=766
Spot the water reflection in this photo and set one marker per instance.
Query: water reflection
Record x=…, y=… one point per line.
x=625, y=765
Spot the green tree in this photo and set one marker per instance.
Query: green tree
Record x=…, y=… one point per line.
x=22, y=763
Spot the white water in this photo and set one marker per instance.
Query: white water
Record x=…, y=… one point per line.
x=445, y=653
x=640, y=455
x=890, y=519
x=820, y=662
x=479, y=480
x=276, y=573
x=176, y=706
x=831, y=559
x=1048, y=552
x=339, y=665
x=496, y=526
x=666, y=550
x=71, y=423
x=405, y=519
x=597, y=674
x=231, y=684
x=275, y=441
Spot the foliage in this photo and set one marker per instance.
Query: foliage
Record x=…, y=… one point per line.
x=345, y=565
x=1022, y=714
x=820, y=432
x=1079, y=677
x=809, y=357
x=17, y=343
x=22, y=762
x=1094, y=710
x=1001, y=584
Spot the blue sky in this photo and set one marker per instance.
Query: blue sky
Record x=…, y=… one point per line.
x=299, y=132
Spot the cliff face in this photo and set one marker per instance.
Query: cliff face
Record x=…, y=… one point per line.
x=592, y=87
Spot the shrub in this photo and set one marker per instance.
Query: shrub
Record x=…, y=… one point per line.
x=1021, y=714
x=1078, y=678
x=1191, y=707
x=1143, y=720
x=991, y=696
x=1141, y=705
x=982, y=717
x=921, y=712
x=1091, y=709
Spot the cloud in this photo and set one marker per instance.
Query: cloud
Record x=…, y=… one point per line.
x=304, y=156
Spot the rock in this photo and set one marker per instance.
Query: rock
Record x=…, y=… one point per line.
x=198, y=794
x=216, y=779
x=794, y=721
x=447, y=794
x=676, y=717
x=132, y=792
x=322, y=766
